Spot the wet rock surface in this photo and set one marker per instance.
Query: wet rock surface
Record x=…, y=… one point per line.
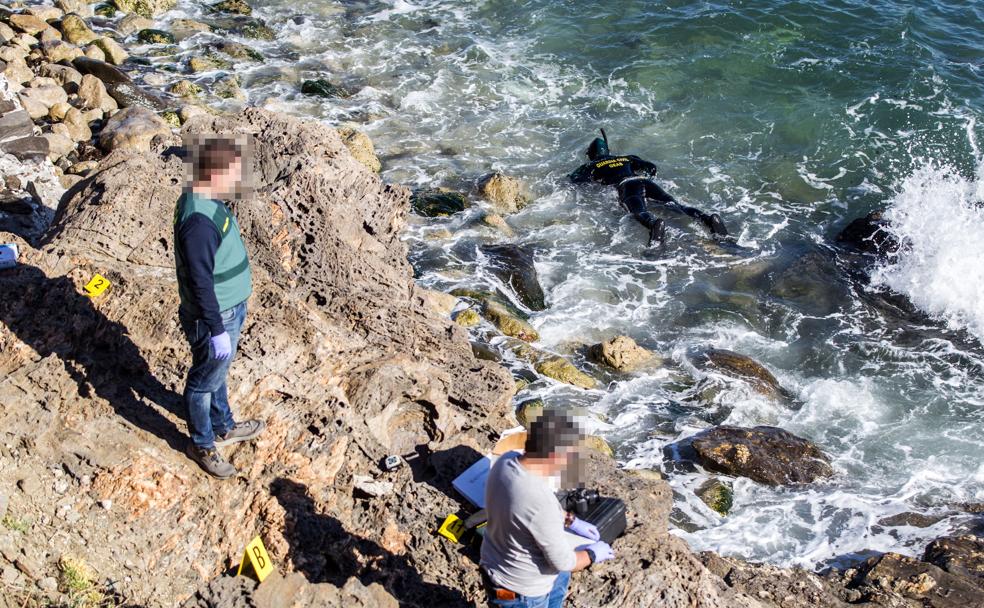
x=621, y=353
x=765, y=454
x=514, y=266
x=743, y=368
x=870, y=234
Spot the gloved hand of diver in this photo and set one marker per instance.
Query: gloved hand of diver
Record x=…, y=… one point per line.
x=584, y=529
x=602, y=551
x=221, y=346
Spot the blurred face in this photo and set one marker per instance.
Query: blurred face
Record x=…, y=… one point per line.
x=226, y=181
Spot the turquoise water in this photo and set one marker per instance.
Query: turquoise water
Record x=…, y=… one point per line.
x=787, y=118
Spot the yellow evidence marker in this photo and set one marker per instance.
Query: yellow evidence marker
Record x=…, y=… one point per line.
x=255, y=558
x=96, y=286
x=453, y=528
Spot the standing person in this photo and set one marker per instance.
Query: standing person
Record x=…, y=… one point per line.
x=214, y=282
x=633, y=189
x=527, y=558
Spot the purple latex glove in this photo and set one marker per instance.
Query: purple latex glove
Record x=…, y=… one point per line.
x=584, y=529
x=602, y=551
x=222, y=346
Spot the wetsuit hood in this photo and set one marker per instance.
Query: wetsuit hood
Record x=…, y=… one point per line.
x=597, y=149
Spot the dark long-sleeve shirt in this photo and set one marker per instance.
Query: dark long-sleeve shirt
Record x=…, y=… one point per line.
x=199, y=239
x=611, y=170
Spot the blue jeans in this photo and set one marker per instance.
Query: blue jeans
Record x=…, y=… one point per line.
x=554, y=599
x=206, y=395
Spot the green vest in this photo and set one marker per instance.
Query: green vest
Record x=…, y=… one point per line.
x=231, y=274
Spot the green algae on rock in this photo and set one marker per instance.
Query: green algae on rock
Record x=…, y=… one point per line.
x=438, y=202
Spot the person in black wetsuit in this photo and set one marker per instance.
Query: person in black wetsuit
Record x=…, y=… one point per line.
x=633, y=189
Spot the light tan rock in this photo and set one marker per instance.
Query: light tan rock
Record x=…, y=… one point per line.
x=496, y=221
x=49, y=34
x=621, y=353
x=29, y=24
x=43, y=81
x=361, y=147
x=79, y=7
x=114, y=52
x=133, y=23
x=60, y=74
x=440, y=302
x=12, y=53
x=57, y=112
x=59, y=144
x=6, y=33
x=18, y=72
x=38, y=101
x=59, y=50
x=84, y=167
x=78, y=127
x=94, y=52
x=92, y=92
x=145, y=8
x=46, y=13
x=25, y=41
x=93, y=115
x=132, y=128
x=506, y=194
x=76, y=31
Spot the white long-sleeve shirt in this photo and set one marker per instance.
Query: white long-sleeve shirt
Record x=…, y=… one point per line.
x=525, y=544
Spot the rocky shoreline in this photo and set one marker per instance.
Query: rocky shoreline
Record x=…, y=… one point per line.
x=345, y=357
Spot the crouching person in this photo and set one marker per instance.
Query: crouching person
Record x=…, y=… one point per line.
x=214, y=282
x=527, y=558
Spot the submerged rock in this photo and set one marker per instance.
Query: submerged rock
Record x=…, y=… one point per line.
x=145, y=8
x=765, y=454
x=562, y=370
x=321, y=87
x=239, y=7
x=438, y=202
x=717, y=495
x=513, y=265
x=507, y=194
x=870, y=234
x=152, y=36
x=621, y=353
x=507, y=322
x=744, y=368
x=529, y=410
x=497, y=222
x=468, y=318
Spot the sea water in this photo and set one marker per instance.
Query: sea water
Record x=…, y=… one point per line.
x=787, y=118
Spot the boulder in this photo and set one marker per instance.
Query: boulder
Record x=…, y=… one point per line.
x=438, y=301
x=321, y=87
x=105, y=9
x=529, y=410
x=506, y=194
x=870, y=234
x=468, y=317
x=26, y=148
x=184, y=28
x=78, y=127
x=237, y=7
x=622, y=354
x=562, y=370
x=92, y=93
x=133, y=23
x=497, y=222
x=118, y=84
x=437, y=202
x=359, y=144
x=45, y=96
x=208, y=62
x=228, y=87
x=94, y=52
x=59, y=110
x=959, y=555
x=238, y=50
x=768, y=455
x=14, y=125
x=249, y=27
x=57, y=51
x=743, y=368
x=46, y=13
x=79, y=7
x=59, y=144
x=145, y=8
x=49, y=34
x=513, y=265
x=132, y=128
x=897, y=580
x=62, y=74
x=6, y=33
x=17, y=72
x=717, y=495
x=27, y=23
x=76, y=31
x=185, y=88
x=508, y=322
x=152, y=36
x=112, y=50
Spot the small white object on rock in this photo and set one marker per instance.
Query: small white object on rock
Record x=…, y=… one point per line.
x=372, y=487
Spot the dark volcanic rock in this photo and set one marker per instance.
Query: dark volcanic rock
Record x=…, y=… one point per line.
x=513, y=265
x=960, y=555
x=764, y=454
x=438, y=202
x=882, y=580
x=870, y=234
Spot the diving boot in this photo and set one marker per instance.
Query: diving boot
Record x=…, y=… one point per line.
x=715, y=225
x=211, y=461
x=657, y=233
x=241, y=431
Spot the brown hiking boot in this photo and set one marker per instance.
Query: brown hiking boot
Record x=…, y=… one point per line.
x=241, y=431
x=211, y=461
